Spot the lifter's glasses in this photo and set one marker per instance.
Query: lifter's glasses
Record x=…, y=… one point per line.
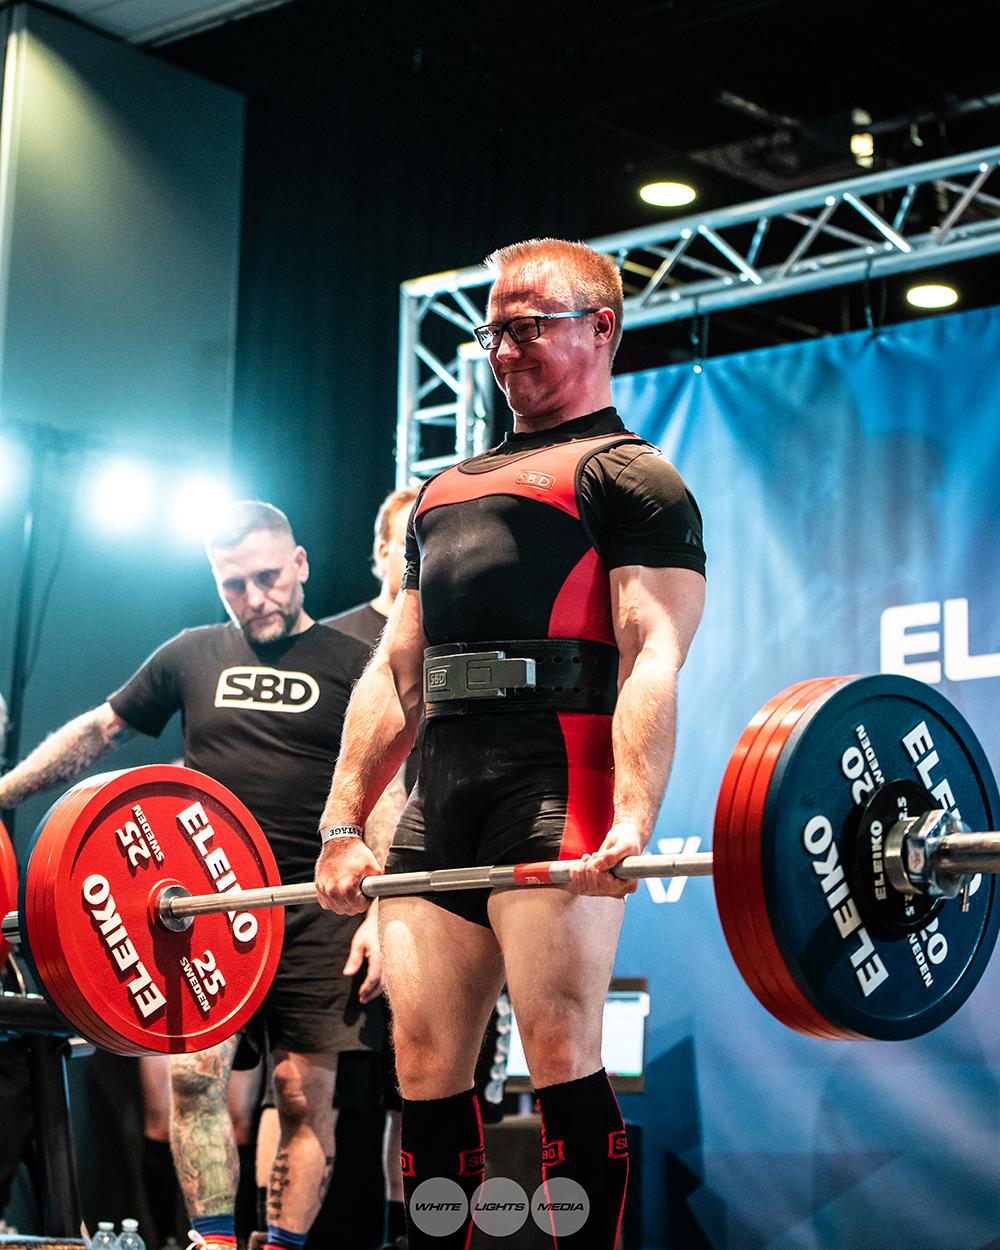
x=521, y=329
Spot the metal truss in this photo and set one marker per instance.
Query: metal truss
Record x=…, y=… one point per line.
x=871, y=226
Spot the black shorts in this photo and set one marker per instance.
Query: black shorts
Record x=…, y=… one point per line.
x=311, y=1007
x=505, y=788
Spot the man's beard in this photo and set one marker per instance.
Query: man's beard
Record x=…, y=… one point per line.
x=277, y=628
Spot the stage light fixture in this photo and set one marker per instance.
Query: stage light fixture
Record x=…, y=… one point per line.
x=862, y=140
x=932, y=295
x=668, y=194
x=120, y=494
x=197, y=500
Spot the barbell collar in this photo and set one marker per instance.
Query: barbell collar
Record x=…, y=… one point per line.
x=10, y=928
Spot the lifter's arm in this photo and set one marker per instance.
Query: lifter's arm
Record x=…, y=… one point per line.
x=656, y=613
x=379, y=731
x=65, y=754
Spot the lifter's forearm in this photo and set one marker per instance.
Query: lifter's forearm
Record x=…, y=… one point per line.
x=64, y=755
x=643, y=733
x=384, y=817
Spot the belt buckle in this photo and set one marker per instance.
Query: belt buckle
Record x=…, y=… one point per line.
x=476, y=675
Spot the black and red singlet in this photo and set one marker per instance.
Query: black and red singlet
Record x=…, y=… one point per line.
x=518, y=544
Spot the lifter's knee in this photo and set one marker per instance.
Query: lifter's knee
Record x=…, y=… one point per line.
x=428, y=1066
x=560, y=1042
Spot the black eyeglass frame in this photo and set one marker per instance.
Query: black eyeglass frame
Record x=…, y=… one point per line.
x=497, y=329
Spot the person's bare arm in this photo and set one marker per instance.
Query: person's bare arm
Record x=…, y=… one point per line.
x=379, y=731
x=65, y=754
x=656, y=613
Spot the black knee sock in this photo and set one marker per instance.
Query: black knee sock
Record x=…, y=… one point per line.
x=395, y=1221
x=162, y=1191
x=583, y=1138
x=442, y=1137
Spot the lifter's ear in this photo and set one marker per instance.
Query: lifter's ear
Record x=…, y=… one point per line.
x=604, y=325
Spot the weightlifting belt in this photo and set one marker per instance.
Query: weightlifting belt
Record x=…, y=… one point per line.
x=537, y=674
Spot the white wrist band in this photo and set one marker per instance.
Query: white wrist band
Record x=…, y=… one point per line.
x=339, y=831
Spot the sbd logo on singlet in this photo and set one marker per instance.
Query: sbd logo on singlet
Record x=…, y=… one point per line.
x=261, y=689
x=540, y=481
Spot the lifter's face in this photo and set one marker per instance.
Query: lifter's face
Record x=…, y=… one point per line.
x=549, y=379
x=260, y=581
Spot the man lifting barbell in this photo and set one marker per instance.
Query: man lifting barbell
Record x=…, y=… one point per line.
x=559, y=581
x=262, y=700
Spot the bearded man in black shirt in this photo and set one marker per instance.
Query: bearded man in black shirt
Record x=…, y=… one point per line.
x=552, y=589
x=263, y=699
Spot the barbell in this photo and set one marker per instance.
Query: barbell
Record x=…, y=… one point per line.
x=853, y=895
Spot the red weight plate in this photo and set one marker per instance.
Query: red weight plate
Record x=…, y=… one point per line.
x=736, y=846
x=725, y=833
x=76, y=998
x=127, y=979
x=796, y=1010
x=8, y=884
x=781, y=1003
x=790, y=1005
x=758, y=936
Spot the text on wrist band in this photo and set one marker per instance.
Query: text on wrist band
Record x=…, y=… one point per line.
x=339, y=831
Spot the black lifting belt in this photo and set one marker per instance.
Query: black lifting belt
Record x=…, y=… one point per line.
x=534, y=674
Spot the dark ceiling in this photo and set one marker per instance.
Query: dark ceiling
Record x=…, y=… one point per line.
x=744, y=98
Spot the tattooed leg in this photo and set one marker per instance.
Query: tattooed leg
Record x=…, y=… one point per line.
x=303, y=1086
x=201, y=1130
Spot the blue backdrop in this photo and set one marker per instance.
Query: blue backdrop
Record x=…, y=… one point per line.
x=852, y=521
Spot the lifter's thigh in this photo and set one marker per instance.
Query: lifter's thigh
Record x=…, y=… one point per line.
x=442, y=974
x=559, y=952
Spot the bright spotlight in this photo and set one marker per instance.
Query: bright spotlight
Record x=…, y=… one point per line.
x=932, y=295
x=197, y=501
x=119, y=495
x=667, y=194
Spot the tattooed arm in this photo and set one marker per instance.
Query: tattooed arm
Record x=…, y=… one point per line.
x=65, y=754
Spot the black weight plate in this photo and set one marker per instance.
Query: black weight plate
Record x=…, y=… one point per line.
x=873, y=730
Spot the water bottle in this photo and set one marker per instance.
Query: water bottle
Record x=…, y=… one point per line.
x=105, y=1238
x=128, y=1238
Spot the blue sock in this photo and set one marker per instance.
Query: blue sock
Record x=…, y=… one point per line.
x=220, y=1229
x=278, y=1236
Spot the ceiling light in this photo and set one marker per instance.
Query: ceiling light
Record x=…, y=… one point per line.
x=932, y=295
x=667, y=194
x=862, y=140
